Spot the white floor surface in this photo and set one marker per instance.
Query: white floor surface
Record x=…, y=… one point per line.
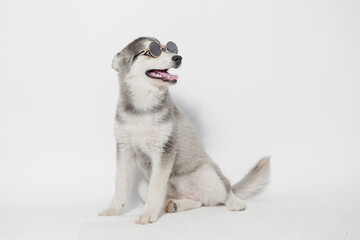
x=265, y=218
x=336, y=222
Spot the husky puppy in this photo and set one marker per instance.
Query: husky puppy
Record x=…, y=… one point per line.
x=154, y=133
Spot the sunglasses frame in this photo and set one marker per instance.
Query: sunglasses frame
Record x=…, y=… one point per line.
x=148, y=52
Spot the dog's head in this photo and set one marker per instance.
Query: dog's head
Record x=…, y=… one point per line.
x=134, y=62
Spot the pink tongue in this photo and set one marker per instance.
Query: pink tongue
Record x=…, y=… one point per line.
x=167, y=75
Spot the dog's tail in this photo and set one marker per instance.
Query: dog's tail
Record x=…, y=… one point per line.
x=255, y=181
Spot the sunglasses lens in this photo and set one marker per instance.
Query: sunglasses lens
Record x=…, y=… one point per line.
x=171, y=47
x=155, y=49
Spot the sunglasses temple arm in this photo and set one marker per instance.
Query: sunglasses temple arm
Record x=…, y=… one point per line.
x=138, y=54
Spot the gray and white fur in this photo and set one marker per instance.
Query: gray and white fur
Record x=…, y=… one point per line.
x=153, y=132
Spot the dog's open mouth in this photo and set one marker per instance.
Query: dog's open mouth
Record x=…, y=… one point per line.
x=162, y=74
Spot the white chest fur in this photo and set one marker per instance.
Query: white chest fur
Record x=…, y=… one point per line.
x=143, y=131
x=140, y=126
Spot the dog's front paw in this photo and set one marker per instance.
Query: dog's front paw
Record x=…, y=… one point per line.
x=147, y=218
x=110, y=212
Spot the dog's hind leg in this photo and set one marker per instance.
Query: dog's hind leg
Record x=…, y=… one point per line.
x=234, y=203
x=180, y=205
x=171, y=205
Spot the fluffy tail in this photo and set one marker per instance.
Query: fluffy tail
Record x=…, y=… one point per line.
x=255, y=181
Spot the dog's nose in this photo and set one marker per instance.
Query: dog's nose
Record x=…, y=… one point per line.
x=177, y=59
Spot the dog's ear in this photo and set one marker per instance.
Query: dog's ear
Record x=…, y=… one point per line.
x=121, y=63
x=116, y=62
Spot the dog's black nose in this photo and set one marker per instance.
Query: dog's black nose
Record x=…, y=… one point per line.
x=177, y=59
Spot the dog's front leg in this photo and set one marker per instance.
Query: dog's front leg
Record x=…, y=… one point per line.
x=125, y=160
x=161, y=169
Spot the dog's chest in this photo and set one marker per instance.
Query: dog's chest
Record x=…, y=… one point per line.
x=143, y=131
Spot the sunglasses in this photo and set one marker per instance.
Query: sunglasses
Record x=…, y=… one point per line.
x=154, y=50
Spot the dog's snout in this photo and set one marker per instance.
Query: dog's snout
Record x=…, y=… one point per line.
x=177, y=59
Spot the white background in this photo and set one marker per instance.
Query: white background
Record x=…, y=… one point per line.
x=277, y=78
